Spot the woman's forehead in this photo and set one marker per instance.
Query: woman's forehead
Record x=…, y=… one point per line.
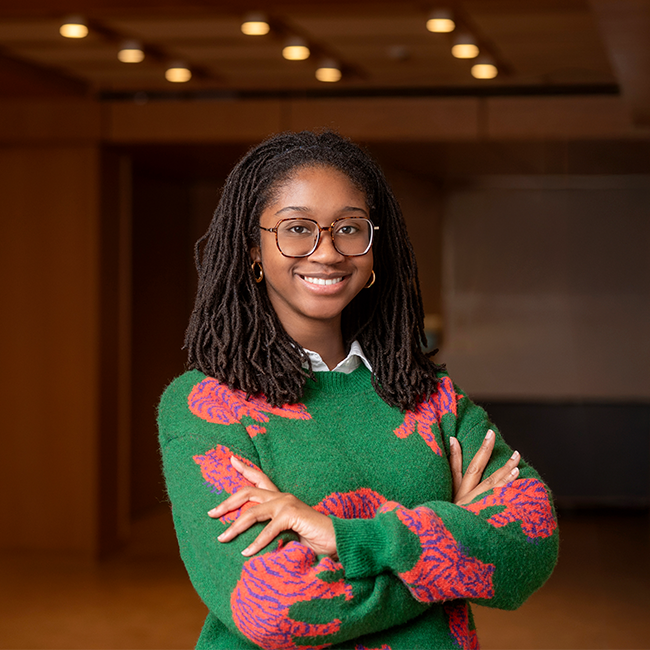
x=299, y=177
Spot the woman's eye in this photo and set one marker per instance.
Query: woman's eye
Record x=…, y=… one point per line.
x=347, y=230
x=296, y=228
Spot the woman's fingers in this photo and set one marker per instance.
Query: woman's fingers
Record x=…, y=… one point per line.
x=283, y=516
x=456, y=464
x=285, y=512
x=499, y=478
x=480, y=460
x=268, y=534
x=245, y=521
x=242, y=496
x=258, y=478
x=268, y=509
x=255, y=476
x=475, y=469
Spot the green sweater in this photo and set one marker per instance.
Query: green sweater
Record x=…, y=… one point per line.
x=409, y=559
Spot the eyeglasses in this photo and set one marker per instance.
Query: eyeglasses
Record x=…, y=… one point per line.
x=351, y=236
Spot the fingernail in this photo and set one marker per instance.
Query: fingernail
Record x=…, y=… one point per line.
x=221, y=537
x=452, y=441
x=514, y=455
x=489, y=434
x=514, y=472
x=213, y=512
x=246, y=552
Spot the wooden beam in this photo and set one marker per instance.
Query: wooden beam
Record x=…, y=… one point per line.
x=416, y=119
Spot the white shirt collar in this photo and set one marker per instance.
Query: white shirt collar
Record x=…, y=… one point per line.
x=349, y=364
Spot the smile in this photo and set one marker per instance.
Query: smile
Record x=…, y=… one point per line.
x=321, y=281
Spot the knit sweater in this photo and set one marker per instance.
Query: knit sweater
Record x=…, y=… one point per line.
x=409, y=560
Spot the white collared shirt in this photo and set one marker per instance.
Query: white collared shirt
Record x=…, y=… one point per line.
x=349, y=364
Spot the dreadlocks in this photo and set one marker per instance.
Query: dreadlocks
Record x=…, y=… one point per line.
x=234, y=333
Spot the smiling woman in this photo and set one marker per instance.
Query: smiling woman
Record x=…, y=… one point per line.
x=309, y=292
x=312, y=452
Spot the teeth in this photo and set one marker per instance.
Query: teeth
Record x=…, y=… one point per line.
x=322, y=280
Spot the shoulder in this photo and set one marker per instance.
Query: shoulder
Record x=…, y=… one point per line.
x=177, y=411
x=176, y=394
x=451, y=400
x=446, y=394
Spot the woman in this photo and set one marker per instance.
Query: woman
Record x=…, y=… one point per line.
x=319, y=508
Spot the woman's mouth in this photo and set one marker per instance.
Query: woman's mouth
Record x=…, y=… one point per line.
x=321, y=281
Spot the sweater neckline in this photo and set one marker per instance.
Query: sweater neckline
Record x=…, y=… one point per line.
x=334, y=382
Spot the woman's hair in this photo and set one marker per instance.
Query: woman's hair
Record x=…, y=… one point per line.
x=234, y=333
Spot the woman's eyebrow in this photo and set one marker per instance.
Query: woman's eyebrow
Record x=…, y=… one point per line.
x=294, y=208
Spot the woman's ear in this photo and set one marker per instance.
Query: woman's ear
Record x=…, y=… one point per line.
x=255, y=253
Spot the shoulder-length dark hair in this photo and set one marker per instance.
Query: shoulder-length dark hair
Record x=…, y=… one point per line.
x=234, y=334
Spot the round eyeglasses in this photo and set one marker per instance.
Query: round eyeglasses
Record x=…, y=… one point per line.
x=351, y=236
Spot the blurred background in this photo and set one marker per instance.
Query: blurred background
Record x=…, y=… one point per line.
x=518, y=144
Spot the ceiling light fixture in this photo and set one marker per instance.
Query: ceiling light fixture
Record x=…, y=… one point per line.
x=178, y=73
x=464, y=47
x=255, y=24
x=328, y=71
x=74, y=27
x=295, y=49
x=441, y=21
x=130, y=52
x=484, y=68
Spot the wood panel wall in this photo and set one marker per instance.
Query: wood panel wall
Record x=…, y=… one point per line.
x=49, y=276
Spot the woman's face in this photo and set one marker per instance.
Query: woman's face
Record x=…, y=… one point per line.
x=318, y=287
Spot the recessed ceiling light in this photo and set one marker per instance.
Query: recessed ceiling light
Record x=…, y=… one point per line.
x=465, y=47
x=255, y=24
x=130, y=52
x=178, y=73
x=484, y=70
x=441, y=21
x=295, y=49
x=328, y=71
x=74, y=27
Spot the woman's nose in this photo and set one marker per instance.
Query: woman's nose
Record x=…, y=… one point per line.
x=325, y=251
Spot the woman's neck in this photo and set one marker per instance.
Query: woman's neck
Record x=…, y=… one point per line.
x=324, y=337
x=332, y=354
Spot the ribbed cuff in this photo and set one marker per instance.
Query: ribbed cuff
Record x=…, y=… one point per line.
x=362, y=547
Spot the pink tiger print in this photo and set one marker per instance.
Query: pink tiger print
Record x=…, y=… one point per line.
x=458, y=614
x=214, y=402
x=427, y=415
x=523, y=500
x=360, y=504
x=221, y=475
x=261, y=611
x=271, y=583
x=443, y=571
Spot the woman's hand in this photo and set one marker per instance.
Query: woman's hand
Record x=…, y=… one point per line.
x=284, y=511
x=470, y=485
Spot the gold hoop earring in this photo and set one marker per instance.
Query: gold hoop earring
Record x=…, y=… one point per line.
x=371, y=281
x=258, y=275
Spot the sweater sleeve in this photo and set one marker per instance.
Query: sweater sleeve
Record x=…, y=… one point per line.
x=495, y=551
x=283, y=597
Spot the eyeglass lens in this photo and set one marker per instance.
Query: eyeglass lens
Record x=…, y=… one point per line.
x=298, y=237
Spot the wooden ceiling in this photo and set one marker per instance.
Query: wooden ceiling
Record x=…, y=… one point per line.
x=382, y=46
